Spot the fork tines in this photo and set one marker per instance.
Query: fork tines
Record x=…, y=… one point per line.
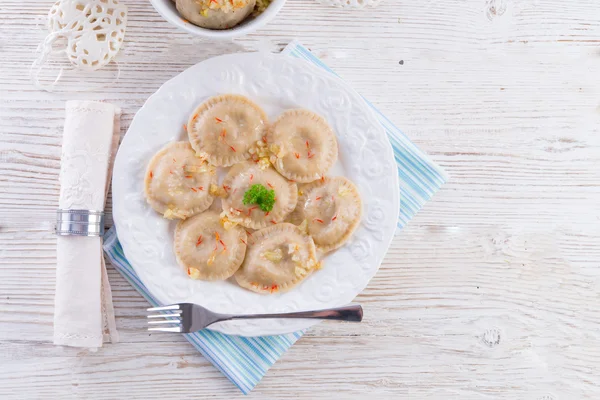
x=169, y=322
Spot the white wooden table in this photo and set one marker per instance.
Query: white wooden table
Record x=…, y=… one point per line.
x=491, y=292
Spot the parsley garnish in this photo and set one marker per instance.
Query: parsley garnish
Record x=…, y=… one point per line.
x=260, y=195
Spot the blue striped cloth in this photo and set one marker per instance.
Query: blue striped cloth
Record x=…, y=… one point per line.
x=243, y=360
x=246, y=360
x=419, y=177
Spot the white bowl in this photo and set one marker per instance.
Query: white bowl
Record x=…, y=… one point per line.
x=167, y=9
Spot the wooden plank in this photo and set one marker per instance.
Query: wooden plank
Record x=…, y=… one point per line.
x=490, y=293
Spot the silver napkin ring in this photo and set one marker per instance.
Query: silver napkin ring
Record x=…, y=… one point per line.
x=79, y=223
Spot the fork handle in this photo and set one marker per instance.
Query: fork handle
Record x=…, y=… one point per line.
x=351, y=312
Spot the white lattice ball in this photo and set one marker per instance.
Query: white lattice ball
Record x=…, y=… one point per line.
x=94, y=30
x=350, y=3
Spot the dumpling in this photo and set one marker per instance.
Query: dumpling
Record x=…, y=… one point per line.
x=278, y=258
x=215, y=14
x=240, y=179
x=177, y=183
x=224, y=128
x=206, y=249
x=332, y=209
x=304, y=145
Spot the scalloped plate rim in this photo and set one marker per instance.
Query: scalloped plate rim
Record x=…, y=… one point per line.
x=303, y=324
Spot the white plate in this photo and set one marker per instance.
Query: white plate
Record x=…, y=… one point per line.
x=276, y=82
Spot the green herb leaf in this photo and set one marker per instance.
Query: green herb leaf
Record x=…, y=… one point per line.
x=253, y=194
x=267, y=201
x=260, y=195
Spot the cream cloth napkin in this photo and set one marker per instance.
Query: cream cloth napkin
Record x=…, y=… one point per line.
x=84, y=314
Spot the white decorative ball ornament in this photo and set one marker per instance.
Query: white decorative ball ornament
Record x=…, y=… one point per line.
x=87, y=33
x=94, y=30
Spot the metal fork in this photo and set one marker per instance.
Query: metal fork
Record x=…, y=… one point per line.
x=188, y=317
